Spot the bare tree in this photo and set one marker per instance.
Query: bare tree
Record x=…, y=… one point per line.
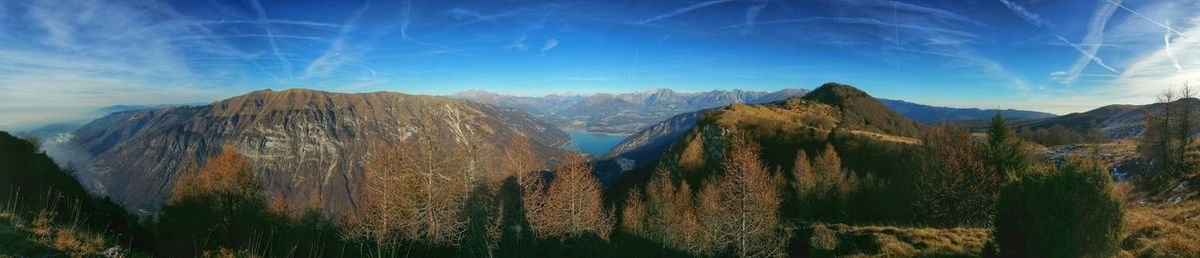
x=1168, y=135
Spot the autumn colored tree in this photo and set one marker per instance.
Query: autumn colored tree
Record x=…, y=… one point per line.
x=743, y=204
x=521, y=162
x=692, y=157
x=667, y=215
x=633, y=213
x=952, y=185
x=828, y=198
x=220, y=204
x=571, y=205
x=416, y=194
x=802, y=183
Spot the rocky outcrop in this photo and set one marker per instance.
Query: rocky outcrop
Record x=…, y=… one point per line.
x=309, y=147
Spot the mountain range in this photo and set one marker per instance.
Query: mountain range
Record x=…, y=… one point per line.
x=309, y=147
x=629, y=113
x=135, y=153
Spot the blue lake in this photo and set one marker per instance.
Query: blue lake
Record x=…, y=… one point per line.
x=596, y=144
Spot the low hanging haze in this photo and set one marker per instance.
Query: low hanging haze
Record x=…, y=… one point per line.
x=61, y=59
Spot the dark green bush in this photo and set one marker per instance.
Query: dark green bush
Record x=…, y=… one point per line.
x=1066, y=212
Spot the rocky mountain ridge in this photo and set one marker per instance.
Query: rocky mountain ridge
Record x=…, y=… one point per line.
x=309, y=147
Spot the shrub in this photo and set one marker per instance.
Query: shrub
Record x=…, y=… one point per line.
x=952, y=185
x=1068, y=212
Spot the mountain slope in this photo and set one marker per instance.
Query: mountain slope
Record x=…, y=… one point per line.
x=860, y=110
x=849, y=103
x=1114, y=121
x=309, y=146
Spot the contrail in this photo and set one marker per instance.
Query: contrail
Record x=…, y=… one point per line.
x=1026, y=15
x=262, y=17
x=1094, y=58
x=684, y=10
x=1149, y=19
x=1167, y=43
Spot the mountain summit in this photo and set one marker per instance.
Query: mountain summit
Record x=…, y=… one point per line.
x=859, y=109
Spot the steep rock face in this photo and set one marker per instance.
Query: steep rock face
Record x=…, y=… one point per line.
x=655, y=139
x=309, y=147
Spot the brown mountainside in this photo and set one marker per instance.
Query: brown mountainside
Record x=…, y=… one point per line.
x=309, y=147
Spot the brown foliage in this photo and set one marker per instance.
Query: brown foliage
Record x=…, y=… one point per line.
x=668, y=216
x=633, y=213
x=953, y=186
x=693, y=154
x=521, y=162
x=571, y=205
x=228, y=173
x=828, y=193
x=743, y=205
x=416, y=194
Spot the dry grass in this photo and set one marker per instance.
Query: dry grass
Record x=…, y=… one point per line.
x=41, y=236
x=885, y=137
x=1159, y=229
x=881, y=241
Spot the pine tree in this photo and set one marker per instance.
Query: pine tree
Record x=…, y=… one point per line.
x=1003, y=153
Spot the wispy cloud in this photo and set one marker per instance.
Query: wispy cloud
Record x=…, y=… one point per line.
x=1160, y=24
x=1033, y=18
x=684, y=10
x=406, y=19
x=1148, y=74
x=863, y=21
x=550, y=45
x=1090, y=45
x=286, y=65
x=1167, y=48
x=923, y=11
x=337, y=53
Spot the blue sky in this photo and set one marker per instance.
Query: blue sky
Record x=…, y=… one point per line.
x=60, y=59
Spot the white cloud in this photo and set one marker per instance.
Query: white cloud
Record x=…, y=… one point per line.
x=550, y=45
x=1091, y=44
x=1157, y=70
